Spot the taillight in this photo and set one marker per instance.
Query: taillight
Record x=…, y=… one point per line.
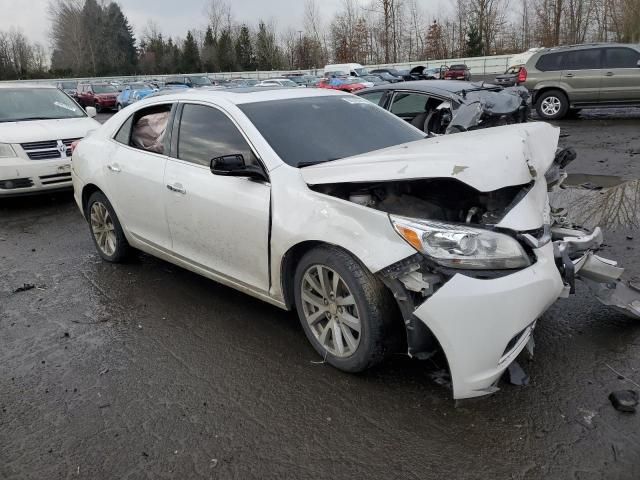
x=74, y=144
x=522, y=75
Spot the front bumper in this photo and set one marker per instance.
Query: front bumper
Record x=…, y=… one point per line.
x=20, y=177
x=483, y=324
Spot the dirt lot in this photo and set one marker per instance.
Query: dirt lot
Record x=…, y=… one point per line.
x=145, y=370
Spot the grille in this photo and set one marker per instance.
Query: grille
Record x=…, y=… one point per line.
x=47, y=149
x=16, y=183
x=55, y=178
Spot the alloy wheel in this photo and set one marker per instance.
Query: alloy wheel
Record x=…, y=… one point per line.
x=330, y=311
x=103, y=229
x=551, y=106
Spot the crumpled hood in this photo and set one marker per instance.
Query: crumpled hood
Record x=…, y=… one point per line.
x=41, y=130
x=486, y=159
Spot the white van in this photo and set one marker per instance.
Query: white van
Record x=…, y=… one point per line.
x=352, y=69
x=38, y=124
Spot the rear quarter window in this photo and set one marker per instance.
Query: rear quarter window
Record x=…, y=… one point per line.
x=550, y=62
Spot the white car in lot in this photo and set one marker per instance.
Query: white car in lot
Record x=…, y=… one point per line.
x=322, y=202
x=38, y=124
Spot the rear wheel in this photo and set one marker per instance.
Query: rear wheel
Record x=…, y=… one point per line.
x=345, y=311
x=552, y=105
x=106, y=231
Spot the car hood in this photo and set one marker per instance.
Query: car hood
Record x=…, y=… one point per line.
x=40, y=130
x=483, y=159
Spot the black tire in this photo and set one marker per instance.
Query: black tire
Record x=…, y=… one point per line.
x=548, y=96
x=119, y=107
x=373, y=300
x=98, y=108
x=122, y=249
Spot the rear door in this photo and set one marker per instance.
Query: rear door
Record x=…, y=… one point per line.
x=135, y=175
x=219, y=223
x=582, y=75
x=620, y=75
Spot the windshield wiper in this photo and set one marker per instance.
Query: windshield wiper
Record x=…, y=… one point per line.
x=35, y=118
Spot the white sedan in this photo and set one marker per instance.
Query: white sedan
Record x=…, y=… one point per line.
x=322, y=202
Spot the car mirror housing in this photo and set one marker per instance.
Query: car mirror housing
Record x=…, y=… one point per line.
x=235, y=166
x=91, y=112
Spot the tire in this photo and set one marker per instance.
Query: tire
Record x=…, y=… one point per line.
x=98, y=108
x=112, y=244
x=360, y=300
x=552, y=105
x=119, y=107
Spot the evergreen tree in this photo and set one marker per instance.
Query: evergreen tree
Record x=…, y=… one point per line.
x=209, y=52
x=226, y=52
x=190, y=55
x=244, y=49
x=474, y=41
x=118, y=47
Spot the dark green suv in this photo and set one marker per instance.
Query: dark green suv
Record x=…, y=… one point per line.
x=564, y=80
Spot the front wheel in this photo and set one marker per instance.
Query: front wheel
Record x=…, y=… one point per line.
x=552, y=105
x=106, y=231
x=345, y=311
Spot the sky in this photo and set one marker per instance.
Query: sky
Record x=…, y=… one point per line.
x=173, y=17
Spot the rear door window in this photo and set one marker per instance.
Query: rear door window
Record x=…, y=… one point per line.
x=374, y=97
x=582, y=59
x=621, y=58
x=408, y=103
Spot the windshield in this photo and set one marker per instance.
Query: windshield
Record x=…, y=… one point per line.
x=306, y=131
x=139, y=86
x=104, y=89
x=36, y=104
x=200, y=81
x=361, y=71
x=68, y=85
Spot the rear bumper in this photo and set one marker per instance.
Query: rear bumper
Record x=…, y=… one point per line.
x=23, y=177
x=483, y=324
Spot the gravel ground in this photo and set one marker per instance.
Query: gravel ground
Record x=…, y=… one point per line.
x=145, y=370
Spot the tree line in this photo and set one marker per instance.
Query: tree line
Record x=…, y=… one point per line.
x=94, y=38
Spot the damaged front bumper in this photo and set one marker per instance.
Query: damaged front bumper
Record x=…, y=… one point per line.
x=482, y=321
x=483, y=324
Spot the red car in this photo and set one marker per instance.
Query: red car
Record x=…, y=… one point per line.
x=343, y=84
x=458, y=72
x=100, y=95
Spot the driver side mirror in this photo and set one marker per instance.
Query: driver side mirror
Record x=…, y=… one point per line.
x=91, y=112
x=235, y=166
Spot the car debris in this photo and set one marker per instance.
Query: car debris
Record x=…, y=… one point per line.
x=624, y=400
x=25, y=287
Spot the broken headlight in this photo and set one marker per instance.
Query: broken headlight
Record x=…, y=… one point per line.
x=460, y=246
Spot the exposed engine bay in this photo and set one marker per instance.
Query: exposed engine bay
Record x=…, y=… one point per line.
x=442, y=199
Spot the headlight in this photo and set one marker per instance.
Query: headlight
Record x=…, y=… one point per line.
x=7, y=151
x=460, y=246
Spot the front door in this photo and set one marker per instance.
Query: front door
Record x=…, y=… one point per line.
x=621, y=75
x=219, y=223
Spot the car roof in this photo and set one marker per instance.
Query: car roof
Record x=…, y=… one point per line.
x=20, y=85
x=582, y=46
x=441, y=87
x=240, y=96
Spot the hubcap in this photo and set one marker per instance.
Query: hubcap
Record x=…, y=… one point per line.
x=103, y=229
x=551, y=106
x=330, y=311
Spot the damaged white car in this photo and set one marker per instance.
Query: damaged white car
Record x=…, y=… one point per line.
x=323, y=202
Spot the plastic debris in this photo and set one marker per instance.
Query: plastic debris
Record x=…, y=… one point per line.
x=624, y=400
x=24, y=287
x=517, y=375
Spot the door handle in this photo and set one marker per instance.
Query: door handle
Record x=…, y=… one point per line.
x=114, y=168
x=609, y=74
x=177, y=187
x=569, y=75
